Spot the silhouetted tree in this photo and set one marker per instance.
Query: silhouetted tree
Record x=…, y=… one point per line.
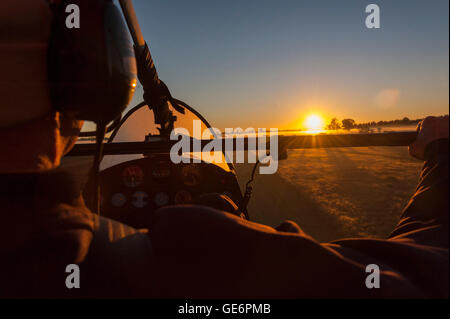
x=348, y=124
x=334, y=124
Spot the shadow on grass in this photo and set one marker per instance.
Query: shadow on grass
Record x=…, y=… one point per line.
x=275, y=200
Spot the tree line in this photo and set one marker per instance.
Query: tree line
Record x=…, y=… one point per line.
x=348, y=124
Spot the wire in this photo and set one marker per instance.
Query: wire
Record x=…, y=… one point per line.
x=109, y=128
x=252, y=177
x=100, y=135
x=129, y=113
x=248, y=192
x=192, y=110
x=133, y=110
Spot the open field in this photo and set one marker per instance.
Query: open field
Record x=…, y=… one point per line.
x=336, y=192
x=331, y=193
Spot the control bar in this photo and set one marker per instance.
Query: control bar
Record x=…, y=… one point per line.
x=284, y=143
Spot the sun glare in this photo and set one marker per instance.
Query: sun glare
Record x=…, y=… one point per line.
x=314, y=122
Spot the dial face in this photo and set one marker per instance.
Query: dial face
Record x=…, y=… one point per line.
x=140, y=199
x=133, y=176
x=190, y=175
x=161, y=199
x=161, y=170
x=118, y=200
x=183, y=197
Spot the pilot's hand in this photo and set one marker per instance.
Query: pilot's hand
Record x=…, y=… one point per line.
x=430, y=129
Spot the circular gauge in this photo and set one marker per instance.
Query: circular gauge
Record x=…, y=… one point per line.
x=161, y=170
x=118, y=200
x=190, y=175
x=161, y=199
x=139, y=199
x=133, y=176
x=183, y=197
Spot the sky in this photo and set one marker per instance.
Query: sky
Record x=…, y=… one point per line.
x=270, y=63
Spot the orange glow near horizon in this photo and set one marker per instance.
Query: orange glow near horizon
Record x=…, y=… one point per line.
x=314, y=123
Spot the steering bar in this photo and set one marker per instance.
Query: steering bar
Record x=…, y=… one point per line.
x=284, y=143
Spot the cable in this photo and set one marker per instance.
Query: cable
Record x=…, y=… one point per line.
x=109, y=128
x=192, y=110
x=100, y=135
x=253, y=174
x=133, y=110
x=248, y=192
x=129, y=113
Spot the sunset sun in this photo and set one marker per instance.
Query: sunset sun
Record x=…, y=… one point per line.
x=314, y=122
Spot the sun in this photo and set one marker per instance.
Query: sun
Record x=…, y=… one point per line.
x=314, y=122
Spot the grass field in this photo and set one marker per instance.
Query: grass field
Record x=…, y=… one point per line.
x=337, y=192
x=331, y=193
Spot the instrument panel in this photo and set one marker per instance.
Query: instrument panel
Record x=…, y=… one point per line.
x=131, y=191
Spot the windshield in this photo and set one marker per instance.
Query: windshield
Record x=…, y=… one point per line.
x=140, y=124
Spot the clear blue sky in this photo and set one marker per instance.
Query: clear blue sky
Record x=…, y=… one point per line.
x=268, y=63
